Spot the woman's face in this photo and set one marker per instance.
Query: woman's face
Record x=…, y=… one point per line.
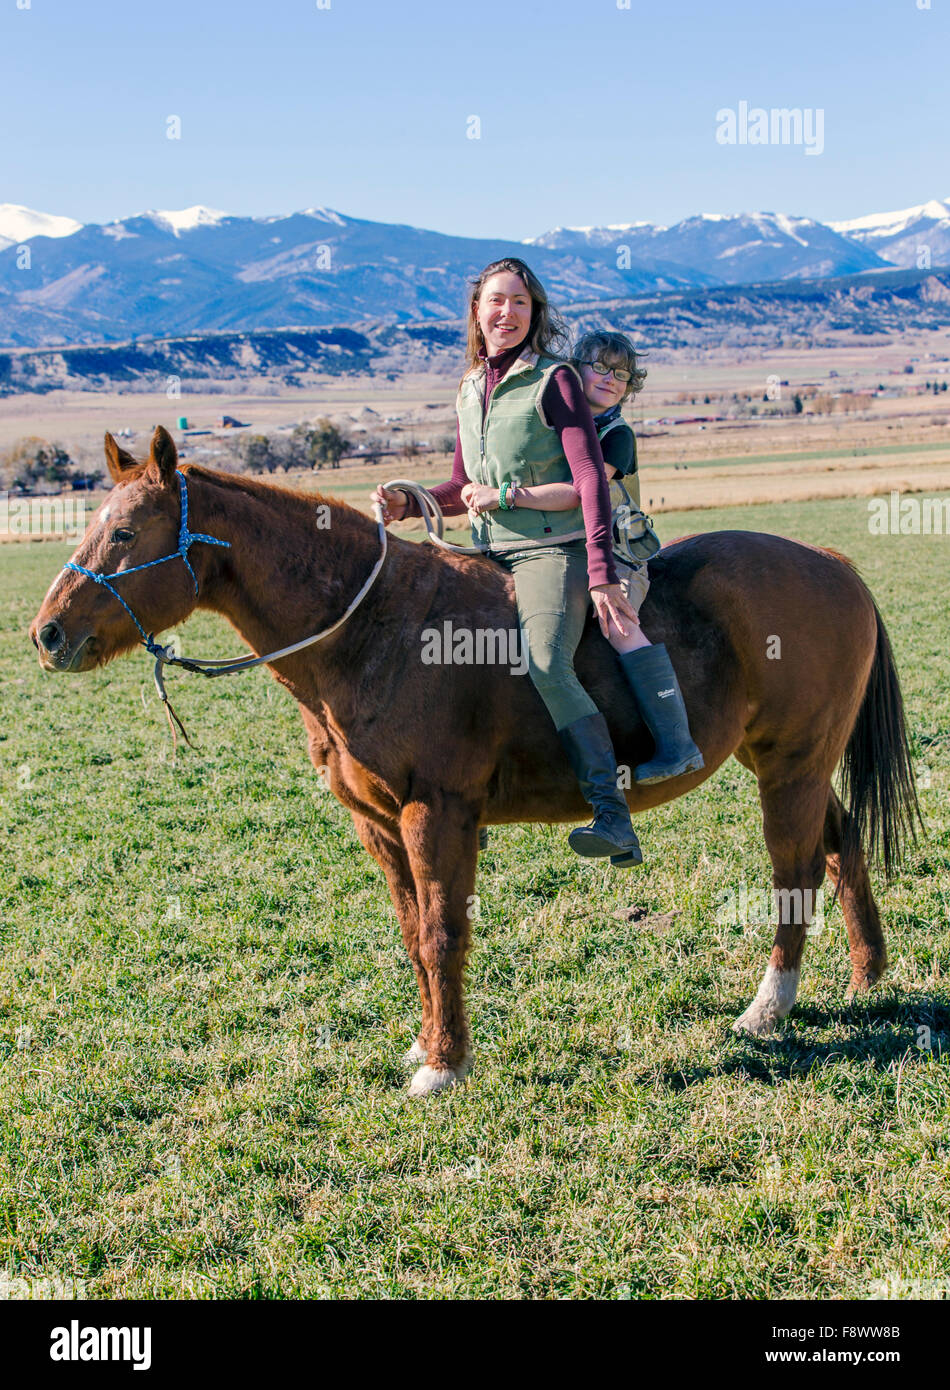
x=503, y=311
x=601, y=391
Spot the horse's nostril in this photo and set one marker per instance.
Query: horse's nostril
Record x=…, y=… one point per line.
x=51, y=636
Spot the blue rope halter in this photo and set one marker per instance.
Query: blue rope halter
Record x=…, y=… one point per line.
x=186, y=539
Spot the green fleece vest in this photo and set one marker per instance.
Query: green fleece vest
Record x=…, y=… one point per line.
x=514, y=443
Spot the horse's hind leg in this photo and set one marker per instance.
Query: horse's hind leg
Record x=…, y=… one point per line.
x=388, y=851
x=793, y=820
x=868, y=952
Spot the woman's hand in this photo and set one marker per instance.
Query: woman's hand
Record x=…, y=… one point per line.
x=612, y=606
x=394, y=502
x=478, y=498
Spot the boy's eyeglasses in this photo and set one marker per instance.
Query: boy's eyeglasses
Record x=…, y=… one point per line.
x=619, y=373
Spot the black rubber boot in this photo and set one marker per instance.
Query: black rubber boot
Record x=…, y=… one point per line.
x=591, y=753
x=650, y=675
x=626, y=861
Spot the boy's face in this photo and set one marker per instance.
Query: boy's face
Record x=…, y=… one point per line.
x=601, y=391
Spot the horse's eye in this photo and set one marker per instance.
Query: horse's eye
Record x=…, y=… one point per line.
x=122, y=533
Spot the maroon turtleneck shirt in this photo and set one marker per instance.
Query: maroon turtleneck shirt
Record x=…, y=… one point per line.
x=565, y=406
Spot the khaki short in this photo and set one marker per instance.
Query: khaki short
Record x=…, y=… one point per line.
x=634, y=581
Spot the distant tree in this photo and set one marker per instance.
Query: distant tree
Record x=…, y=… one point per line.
x=259, y=454
x=32, y=460
x=410, y=449
x=323, y=443
x=798, y=403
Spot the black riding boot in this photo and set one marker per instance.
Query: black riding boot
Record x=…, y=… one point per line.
x=650, y=674
x=591, y=753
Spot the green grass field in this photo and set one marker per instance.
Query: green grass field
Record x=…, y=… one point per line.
x=204, y=1002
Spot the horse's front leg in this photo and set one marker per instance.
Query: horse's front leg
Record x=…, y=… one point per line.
x=440, y=833
x=387, y=849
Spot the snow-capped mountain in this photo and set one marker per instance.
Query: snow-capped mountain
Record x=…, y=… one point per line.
x=186, y=219
x=199, y=269
x=735, y=250
x=914, y=237
x=19, y=224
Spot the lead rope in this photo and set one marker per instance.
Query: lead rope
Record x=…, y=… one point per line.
x=164, y=656
x=431, y=513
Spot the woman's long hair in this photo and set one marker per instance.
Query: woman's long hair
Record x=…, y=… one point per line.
x=547, y=334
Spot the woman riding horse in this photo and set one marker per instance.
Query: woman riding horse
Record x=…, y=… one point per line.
x=523, y=418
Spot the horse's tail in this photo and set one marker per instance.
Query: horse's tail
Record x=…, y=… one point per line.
x=877, y=776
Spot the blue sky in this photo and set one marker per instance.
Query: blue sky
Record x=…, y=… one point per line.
x=590, y=113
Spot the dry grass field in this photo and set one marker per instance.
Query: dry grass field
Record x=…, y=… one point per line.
x=901, y=442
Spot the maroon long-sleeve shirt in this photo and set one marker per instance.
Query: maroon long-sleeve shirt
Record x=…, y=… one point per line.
x=566, y=407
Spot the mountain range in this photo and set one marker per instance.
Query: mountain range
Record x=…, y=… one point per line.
x=199, y=270
x=787, y=314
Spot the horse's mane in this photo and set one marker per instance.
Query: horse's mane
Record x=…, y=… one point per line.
x=259, y=487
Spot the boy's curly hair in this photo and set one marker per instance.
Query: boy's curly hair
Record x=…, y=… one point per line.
x=614, y=350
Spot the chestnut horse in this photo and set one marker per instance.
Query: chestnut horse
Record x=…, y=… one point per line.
x=781, y=653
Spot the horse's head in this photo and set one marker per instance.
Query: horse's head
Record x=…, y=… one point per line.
x=82, y=624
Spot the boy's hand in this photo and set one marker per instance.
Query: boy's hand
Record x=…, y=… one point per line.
x=478, y=498
x=612, y=606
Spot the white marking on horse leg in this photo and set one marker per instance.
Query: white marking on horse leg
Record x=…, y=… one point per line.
x=416, y=1053
x=774, y=999
x=428, y=1080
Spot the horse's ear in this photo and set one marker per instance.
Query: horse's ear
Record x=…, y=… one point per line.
x=162, y=458
x=118, y=460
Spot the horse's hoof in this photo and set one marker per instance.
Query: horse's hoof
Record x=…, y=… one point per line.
x=416, y=1053
x=861, y=982
x=774, y=1000
x=756, y=1022
x=428, y=1080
